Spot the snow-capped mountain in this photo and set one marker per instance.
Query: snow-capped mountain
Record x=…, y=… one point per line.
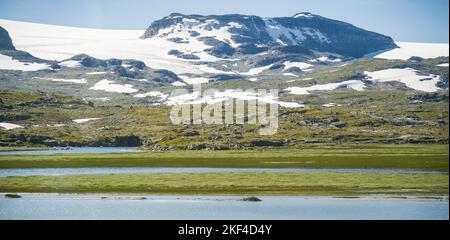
x=230, y=35
x=193, y=44
x=186, y=49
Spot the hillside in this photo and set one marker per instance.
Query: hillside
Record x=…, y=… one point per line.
x=73, y=86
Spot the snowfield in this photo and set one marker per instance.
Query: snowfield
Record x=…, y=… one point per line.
x=8, y=63
x=110, y=86
x=85, y=120
x=178, y=84
x=424, y=50
x=60, y=43
x=9, y=126
x=101, y=99
x=70, y=64
x=157, y=94
x=96, y=73
x=407, y=76
x=353, y=84
x=256, y=71
x=303, y=66
x=78, y=81
x=194, y=80
x=328, y=105
x=326, y=59
x=289, y=74
x=222, y=96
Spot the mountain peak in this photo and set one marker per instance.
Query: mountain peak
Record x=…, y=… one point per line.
x=235, y=34
x=175, y=15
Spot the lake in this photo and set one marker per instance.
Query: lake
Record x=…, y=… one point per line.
x=132, y=170
x=72, y=150
x=33, y=206
x=54, y=206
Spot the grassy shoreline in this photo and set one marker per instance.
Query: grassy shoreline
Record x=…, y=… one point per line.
x=262, y=184
x=22, y=149
x=414, y=157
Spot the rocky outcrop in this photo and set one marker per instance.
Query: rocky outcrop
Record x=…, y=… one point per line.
x=206, y=147
x=127, y=141
x=5, y=40
x=267, y=143
x=182, y=55
x=430, y=97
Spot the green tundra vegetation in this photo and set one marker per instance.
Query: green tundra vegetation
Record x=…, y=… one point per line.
x=385, y=113
x=371, y=119
x=318, y=184
x=414, y=156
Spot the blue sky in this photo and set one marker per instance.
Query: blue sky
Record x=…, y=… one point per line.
x=404, y=20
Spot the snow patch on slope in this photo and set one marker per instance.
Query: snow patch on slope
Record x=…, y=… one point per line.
x=222, y=96
x=9, y=126
x=96, y=73
x=288, y=36
x=110, y=86
x=70, y=64
x=352, y=84
x=182, y=30
x=194, y=80
x=303, y=66
x=326, y=59
x=78, y=81
x=158, y=94
x=85, y=120
x=178, y=84
x=407, y=76
x=101, y=99
x=303, y=15
x=8, y=63
x=256, y=71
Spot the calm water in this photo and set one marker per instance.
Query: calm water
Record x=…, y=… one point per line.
x=202, y=207
x=131, y=170
x=185, y=208
x=73, y=150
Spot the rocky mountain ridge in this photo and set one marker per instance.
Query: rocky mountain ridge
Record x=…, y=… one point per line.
x=305, y=33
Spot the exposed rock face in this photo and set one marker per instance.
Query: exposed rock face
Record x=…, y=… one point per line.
x=88, y=61
x=229, y=35
x=127, y=141
x=182, y=55
x=5, y=40
x=206, y=147
x=127, y=68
